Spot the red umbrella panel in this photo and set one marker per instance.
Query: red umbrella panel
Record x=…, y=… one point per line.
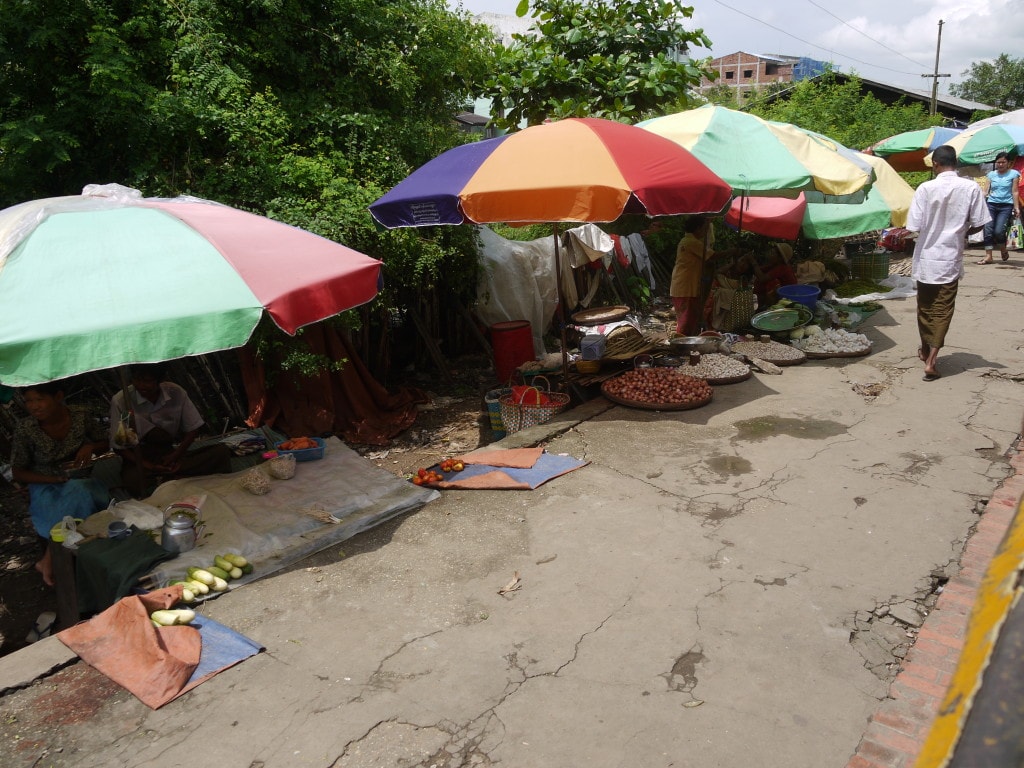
x=775, y=217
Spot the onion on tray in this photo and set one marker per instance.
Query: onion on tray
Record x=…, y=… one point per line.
x=660, y=389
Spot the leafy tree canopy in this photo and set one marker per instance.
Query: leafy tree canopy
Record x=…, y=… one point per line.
x=592, y=58
x=841, y=111
x=999, y=83
x=305, y=111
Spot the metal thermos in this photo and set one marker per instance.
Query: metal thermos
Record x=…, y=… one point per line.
x=180, y=532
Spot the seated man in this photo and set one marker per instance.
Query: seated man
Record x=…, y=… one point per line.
x=166, y=424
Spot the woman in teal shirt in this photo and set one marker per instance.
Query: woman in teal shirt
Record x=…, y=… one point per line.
x=1003, y=197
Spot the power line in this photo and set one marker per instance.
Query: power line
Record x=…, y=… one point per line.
x=814, y=45
x=865, y=34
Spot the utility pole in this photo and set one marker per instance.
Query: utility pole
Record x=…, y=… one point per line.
x=935, y=77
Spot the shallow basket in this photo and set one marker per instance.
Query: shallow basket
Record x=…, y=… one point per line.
x=306, y=454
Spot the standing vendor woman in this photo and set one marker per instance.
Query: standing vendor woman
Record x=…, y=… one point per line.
x=166, y=424
x=1002, y=194
x=51, y=435
x=691, y=253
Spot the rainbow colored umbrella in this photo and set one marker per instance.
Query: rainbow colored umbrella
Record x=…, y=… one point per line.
x=761, y=157
x=975, y=146
x=574, y=170
x=109, y=278
x=906, y=151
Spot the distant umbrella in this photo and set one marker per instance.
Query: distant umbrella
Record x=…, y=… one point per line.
x=906, y=151
x=975, y=146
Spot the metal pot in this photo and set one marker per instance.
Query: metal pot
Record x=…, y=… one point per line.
x=181, y=530
x=683, y=345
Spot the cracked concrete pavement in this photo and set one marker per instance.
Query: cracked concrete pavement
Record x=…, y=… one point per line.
x=729, y=586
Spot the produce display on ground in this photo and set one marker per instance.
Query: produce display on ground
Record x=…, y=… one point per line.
x=664, y=388
x=831, y=342
x=772, y=351
x=715, y=366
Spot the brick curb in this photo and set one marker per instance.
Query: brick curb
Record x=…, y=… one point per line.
x=897, y=730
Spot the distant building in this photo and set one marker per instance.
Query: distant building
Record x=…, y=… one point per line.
x=747, y=72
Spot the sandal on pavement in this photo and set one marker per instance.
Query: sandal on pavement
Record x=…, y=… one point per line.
x=1004, y=256
x=932, y=376
x=983, y=261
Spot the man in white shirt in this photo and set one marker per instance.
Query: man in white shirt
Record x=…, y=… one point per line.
x=944, y=212
x=166, y=423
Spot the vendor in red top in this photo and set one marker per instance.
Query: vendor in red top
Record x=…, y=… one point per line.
x=166, y=425
x=775, y=273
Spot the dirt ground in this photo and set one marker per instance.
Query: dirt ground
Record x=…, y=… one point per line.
x=453, y=422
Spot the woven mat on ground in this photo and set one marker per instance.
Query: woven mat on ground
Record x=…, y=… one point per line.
x=547, y=467
x=155, y=664
x=521, y=458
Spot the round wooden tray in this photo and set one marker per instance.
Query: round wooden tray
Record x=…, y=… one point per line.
x=600, y=315
x=655, y=406
x=739, y=345
x=729, y=379
x=829, y=355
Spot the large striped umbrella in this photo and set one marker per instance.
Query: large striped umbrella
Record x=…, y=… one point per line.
x=574, y=170
x=906, y=151
x=109, y=278
x=975, y=146
x=761, y=157
x=886, y=204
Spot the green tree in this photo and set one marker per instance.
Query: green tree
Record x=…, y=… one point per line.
x=305, y=111
x=590, y=58
x=722, y=95
x=841, y=111
x=999, y=83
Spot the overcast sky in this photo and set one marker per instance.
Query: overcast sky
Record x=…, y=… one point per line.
x=893, y=41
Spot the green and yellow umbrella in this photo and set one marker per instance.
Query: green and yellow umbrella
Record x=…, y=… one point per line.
x=761, y=157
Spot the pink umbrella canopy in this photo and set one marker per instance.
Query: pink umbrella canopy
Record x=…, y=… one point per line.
x=108, y=278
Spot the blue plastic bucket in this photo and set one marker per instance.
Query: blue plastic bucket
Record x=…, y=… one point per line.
x=801, y=294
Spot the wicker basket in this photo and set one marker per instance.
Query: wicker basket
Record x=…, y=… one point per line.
x=865, y=262
x=518, y=414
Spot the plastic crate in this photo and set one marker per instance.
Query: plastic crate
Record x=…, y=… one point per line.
x=306, y=454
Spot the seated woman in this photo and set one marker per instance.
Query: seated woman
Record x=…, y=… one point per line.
x=730, y=302
x=51, y=435
x=775, y=273
x=166, y=423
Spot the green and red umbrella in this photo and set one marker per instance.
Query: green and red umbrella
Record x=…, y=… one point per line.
x=109, y=278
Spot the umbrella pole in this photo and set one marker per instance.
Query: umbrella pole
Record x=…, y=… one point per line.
x=561, y=307
x=705, y=286
x=137, y=448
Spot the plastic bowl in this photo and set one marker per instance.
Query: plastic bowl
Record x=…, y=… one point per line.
x=306, y=454
x=801, y=294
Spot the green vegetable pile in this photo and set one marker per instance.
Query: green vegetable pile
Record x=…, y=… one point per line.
x=859, y=287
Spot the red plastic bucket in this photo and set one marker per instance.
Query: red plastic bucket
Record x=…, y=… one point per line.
x=513, y=345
